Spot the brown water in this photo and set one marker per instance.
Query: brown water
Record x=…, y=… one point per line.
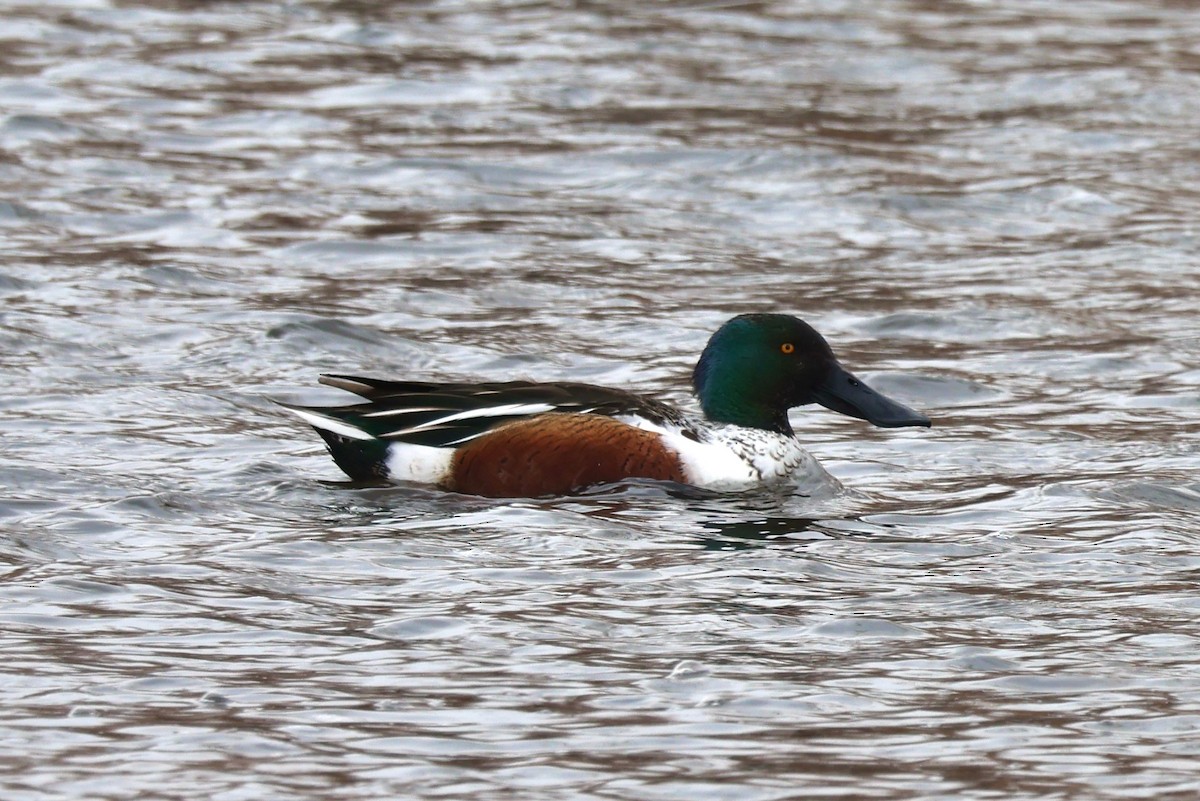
x=991, y=209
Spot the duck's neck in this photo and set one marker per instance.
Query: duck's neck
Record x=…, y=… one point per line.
x=732, y=409
x=735, y=388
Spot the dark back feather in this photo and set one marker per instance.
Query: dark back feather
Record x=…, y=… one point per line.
x=446, y=415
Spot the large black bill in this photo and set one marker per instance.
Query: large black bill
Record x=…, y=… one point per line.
x=842, y=392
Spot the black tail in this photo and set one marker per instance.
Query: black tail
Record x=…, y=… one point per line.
x=361, y=459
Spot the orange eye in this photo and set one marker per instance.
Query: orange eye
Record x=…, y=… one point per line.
x=787, y=347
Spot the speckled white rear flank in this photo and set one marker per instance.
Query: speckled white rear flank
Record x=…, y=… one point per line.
x=419, y=463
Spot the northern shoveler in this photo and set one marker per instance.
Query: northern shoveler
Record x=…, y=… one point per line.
x=525, y=439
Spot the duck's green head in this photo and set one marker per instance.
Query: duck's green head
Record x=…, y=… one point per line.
x=757, y=366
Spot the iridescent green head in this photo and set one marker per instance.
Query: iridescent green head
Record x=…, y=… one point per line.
x=757, y=366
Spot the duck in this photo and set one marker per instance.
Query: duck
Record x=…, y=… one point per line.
x=524, y=439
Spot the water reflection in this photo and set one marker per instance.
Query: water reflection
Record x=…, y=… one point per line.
x=990, y=208
x=741, y=534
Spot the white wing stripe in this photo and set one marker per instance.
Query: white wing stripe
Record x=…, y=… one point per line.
x=329, y=424
x=507, y=410
x=406, y=410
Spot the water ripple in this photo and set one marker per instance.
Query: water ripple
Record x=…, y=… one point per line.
x=989, y=209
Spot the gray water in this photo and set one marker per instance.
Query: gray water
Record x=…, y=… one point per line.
x=990, y=209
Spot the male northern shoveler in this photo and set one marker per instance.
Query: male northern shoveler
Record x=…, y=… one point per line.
x=524, y=439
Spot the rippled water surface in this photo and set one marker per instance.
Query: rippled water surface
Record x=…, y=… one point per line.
x=991, y=210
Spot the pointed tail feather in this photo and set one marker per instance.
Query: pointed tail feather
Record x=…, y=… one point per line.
x=360, y=455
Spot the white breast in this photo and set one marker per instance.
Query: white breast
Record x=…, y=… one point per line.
x=732, y=456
